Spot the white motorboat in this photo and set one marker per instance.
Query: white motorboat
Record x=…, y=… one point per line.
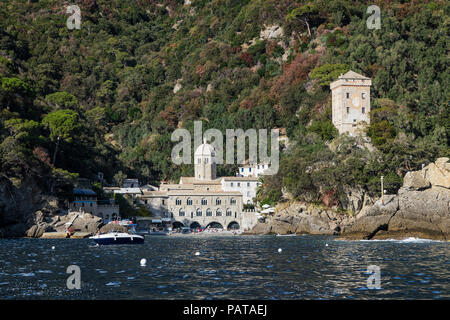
x=117, y=238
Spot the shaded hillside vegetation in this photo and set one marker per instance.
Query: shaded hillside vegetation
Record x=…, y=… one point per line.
x=76, y=102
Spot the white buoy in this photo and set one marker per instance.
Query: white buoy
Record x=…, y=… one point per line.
x=143, y=262
x=279, y=250
x=53, y=247
x=197, y=253
x=326, y=244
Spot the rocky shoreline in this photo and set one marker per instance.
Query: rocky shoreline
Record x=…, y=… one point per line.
x=420, y=209
x=302, y=218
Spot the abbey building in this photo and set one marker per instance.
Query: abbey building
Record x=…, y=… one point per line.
x=205, y=199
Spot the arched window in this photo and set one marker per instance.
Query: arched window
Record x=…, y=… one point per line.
x=233, y=201
x=181, y=213
x=178, y=202
x=189, y=202
x=229, y=212
x=208, y=212
x=199, y=213
x=218, y=202
x=218, y=213
x=204, y=202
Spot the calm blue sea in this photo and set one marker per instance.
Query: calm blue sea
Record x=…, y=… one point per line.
x=228, y=267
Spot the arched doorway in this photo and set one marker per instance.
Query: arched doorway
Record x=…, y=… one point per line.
x=215, y=225
x=195, y=225
x=233, y=225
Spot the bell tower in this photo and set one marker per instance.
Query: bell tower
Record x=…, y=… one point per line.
x=205, y=162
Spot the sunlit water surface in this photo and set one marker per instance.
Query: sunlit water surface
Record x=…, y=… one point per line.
x=228, y=267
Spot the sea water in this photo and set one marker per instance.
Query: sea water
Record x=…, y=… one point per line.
x=227, y=267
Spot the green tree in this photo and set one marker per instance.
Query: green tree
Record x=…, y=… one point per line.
x=329, y=72
x=62, y=100
x=62, y=125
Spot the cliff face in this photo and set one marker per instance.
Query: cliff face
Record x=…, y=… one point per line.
x=420, y=209
x=22, y=207
x=301, y=218
x=25, y=211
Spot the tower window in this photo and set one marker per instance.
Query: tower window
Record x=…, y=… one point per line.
x=363, y=95
x=348, y=110
x=348, y=95
x=363, y=110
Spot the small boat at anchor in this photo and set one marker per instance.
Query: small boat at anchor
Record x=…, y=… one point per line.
x=117, y=238
x=286, y=235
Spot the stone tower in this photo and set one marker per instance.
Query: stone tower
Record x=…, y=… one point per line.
x=351, y=103
x=205, y=162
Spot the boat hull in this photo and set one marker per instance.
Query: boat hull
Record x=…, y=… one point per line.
x=111, y=240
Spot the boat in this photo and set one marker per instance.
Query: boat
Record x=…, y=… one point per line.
x=117, y=238
x=286, y=235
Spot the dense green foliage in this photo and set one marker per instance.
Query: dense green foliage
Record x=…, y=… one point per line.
x=107, y=90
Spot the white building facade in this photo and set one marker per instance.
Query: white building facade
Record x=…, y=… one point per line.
x=204, y=200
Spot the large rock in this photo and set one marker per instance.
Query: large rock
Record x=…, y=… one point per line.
x=86, y=222
x=414, y=180
x=438, y=173
x=416, y=211
x=111, y=227
x=302, y=219
x=375, y=219
x=423, y=214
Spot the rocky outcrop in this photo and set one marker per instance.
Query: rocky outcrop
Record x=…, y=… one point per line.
x=302, y=218
x=420, y=209
x=111, y=227
x=77, y=221
x=24, y=209
x=26, y=212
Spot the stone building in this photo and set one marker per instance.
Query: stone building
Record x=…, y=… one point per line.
x=204, y=200
x=86, y=201
x=351, y=103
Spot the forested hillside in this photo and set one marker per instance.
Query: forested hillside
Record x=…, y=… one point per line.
x=108, y=96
